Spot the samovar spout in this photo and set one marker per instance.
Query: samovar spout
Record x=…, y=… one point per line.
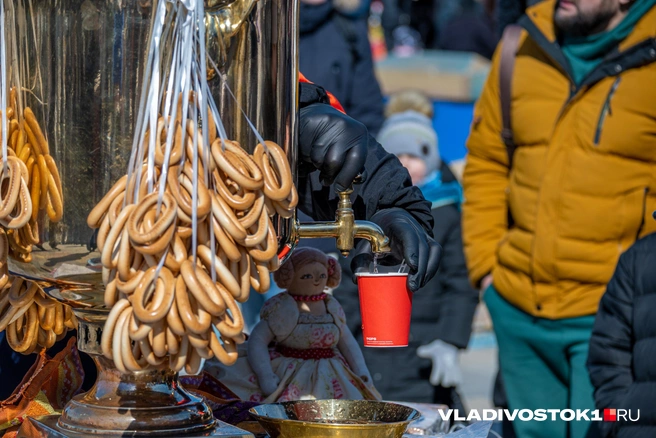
x=374, y=234
x=346, y=229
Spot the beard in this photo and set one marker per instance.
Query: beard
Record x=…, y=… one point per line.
x=585, y=23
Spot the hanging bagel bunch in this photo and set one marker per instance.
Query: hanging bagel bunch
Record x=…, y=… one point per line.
x=178, y=259
x=32, y=319
x=29, y=184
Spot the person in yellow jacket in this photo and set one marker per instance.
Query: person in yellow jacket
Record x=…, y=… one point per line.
x=543, y=236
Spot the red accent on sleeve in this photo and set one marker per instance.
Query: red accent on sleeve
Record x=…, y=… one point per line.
x=333, y=100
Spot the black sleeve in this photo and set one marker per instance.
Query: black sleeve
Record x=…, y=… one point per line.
x=508, y=12
x=387, y=185
x=609, y=357
x=458, y=299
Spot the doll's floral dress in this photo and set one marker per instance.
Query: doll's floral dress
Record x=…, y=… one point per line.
x=299, y=339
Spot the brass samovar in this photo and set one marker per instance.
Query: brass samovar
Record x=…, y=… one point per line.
x=85, y=70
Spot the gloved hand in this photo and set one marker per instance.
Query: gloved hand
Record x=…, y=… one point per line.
x=408, y=241
x=334, y=143
x=446, y=370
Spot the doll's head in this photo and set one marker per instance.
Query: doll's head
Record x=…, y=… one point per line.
x=307, y=270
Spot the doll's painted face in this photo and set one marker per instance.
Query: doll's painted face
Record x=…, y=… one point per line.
x=310, y=279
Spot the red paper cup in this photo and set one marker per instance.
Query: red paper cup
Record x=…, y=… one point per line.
x=385, y=307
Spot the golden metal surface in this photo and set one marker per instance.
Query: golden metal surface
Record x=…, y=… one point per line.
x=46, y=427
x=89, y=103
x=346, y=229
x=143, y=403
x=334, y=418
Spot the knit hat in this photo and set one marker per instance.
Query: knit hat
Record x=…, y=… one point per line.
x=411, y=133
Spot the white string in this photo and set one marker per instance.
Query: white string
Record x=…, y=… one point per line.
x=225, y=85
x=177, y=80
x=136, y=157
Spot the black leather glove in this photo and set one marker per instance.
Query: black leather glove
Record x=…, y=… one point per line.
x=408, y=241
x=334, y=143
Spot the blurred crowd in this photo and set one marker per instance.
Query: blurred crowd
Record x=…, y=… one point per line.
x=463, y=25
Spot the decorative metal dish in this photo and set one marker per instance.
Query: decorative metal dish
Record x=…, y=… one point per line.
x=334, y=418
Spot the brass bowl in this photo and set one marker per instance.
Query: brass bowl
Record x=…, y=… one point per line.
x=334, y=418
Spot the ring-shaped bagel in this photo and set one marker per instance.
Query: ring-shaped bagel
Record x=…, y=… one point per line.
x=236, y=201
x=167, y=218
x=127, y=351
x=22, y=212
x=172, y=342
x=253, y=181
x=10, y=191
x=225, y=353
x=226, y=217
x=109, y=255
x=110, y=326
x=225, y=242
x=176, y=148
x=259, y=233
x=157, y=339
x=117, y=345
x=173, y=320
x=154, y=295
x=277, y=182
x=203, y=202
x=158, y=246
x=229, y=324
x=254, y=212
x=202, y=288
x=195, y=320
x=266, y=253
x=178, y=361
x=260, y=280
x=30, y=331
x=225, y=276
x=137, y=329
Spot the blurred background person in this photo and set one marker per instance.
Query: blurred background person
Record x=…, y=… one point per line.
x=442, y=312
x=462, y=25
x=537, y=189
x=335, y=52
x=623, y=344
x=470, y=29
x=510, y=11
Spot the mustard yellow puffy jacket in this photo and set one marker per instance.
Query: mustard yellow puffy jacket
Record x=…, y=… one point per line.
x=582, y=187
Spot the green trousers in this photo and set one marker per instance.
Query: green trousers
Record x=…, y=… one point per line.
x=542, y=363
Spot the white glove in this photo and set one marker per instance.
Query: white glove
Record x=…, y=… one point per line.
x=446, y=370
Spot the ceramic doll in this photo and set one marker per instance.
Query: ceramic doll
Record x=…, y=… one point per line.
x=302, y=347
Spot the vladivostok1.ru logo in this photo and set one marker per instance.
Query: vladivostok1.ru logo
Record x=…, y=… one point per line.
x=541, y=415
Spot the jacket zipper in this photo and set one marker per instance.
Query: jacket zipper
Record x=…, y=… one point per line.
x=644, y=212
x=606, y=110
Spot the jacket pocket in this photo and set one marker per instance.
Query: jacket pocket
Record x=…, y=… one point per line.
x=606, y=110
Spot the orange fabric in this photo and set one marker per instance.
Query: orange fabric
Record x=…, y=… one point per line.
x=45, y=389
x=583, y=182
x=333, y=100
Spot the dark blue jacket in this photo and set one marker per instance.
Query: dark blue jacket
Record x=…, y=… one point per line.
x=622, y=357
x=335, y=53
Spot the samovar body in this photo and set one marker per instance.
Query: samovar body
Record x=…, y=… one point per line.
x=84, y=72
